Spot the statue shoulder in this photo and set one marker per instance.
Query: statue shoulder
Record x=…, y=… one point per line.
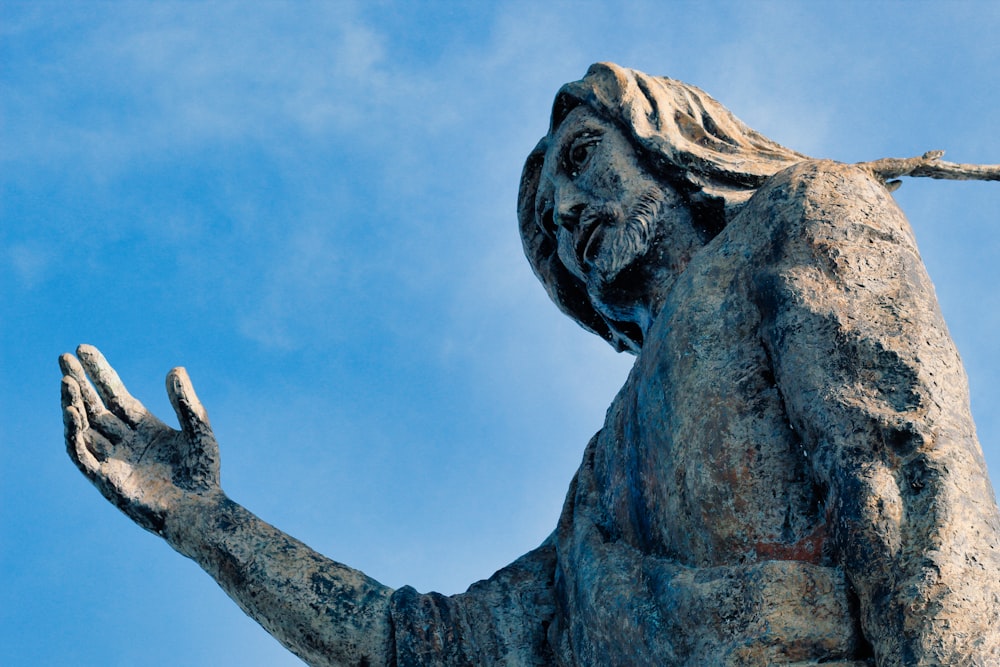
x=824, y=189
x=825, y=203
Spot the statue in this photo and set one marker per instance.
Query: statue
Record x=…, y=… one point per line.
x=789, y=475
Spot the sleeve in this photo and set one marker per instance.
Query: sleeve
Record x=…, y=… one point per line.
x=875, y=389
x=499, y=621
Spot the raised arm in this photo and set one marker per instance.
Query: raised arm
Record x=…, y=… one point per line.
x=874, y=387
x=167, y=481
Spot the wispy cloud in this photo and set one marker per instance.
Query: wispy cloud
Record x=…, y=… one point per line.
x=29, y=263
x=139, y=78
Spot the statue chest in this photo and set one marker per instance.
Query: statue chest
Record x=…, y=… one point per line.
x=697, y=460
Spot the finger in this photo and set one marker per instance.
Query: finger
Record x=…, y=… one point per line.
x=110, y=387
x=71, y=398
x=75, y=417
x=115, y=430
x=76, y=429
x=71, y=367
x=110, y=426
x=190, y=413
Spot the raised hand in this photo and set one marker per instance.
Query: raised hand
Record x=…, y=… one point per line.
x=167, y=481
x=146, y=468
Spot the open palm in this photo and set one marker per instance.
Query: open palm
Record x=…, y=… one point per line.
x=140, y=464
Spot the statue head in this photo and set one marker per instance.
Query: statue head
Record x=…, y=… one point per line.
x=635, y=175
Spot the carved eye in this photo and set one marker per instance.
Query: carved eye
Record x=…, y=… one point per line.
x=579, y=152
x=578, y=156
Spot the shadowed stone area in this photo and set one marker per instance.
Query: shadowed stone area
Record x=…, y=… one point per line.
x=790, y=474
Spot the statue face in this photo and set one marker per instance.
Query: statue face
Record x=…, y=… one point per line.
x=624, y=233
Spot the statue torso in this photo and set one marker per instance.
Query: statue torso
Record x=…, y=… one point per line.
x=697, y=500
x=698, y=460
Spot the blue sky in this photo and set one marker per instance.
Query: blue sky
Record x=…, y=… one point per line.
x=311, y=207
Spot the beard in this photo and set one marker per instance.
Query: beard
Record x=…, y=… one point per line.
x=620, y=237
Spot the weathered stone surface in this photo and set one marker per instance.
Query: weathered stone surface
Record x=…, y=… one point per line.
x=790, y=474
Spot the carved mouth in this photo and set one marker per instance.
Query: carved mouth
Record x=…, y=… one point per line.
x=589, y=243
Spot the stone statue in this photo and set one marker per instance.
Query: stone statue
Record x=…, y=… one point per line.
x=789, y=475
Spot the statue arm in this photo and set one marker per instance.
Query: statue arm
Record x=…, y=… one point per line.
x=874, y=387
x=324, y=612
x=167, y=481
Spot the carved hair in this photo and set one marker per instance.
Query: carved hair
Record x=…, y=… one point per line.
x=686, y=138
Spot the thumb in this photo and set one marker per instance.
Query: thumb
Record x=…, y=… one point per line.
x=190, y=413
x=199, y=453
